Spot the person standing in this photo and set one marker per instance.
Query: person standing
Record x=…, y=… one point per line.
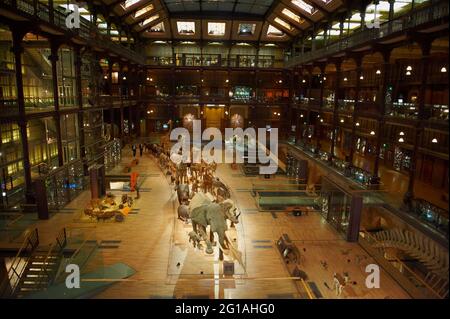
x=134, y=150
x=141, y=149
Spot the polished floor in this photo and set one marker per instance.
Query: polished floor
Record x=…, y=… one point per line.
x=153, y=242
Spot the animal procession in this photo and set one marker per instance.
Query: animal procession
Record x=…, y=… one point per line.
x=204, y=200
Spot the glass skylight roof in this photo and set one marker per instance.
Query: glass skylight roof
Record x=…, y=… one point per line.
x=152, y=18
x=158, y=28
x=247, y=28
x=283, y=23
x=216, y=28
x=292, y=15
x=304, y=6
x=255, y=7
x=144, y=10
x=129, y=3
x=186, y=28
x=274, y=32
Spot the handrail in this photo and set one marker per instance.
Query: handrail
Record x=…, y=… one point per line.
x=403, y=265
x=307, y=289
x=56, y=247
x=408, y=20
x=31, y=241
x=87, y=31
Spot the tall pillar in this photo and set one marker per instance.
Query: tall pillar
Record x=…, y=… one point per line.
x=426, y=48
x=358, y=61
x=54, y=46
x=17, y=49
x=322, y=72
x=110, y=89
x=382, y=110
x=79, y=96
x=338, y=64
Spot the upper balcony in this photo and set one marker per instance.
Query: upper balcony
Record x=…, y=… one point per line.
x=216, y=60
x=435, y=13
x=53, y=20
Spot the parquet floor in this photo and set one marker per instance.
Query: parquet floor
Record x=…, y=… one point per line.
x=153, y=242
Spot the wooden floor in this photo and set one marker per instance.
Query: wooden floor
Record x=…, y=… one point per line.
x=153, y=242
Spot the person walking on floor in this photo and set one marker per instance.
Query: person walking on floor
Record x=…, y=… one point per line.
x=134, y=150
x=141, y=149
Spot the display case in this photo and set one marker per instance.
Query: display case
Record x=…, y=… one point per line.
x=340, y=208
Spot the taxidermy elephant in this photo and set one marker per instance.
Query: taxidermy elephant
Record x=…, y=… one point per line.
x=183, y=193
x=215, y=215
x=183, y=212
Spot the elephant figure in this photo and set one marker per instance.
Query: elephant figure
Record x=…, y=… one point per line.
x=215, y=215
x=183, y=193
x=183, y=212
x=195, y=239
x=221, y=189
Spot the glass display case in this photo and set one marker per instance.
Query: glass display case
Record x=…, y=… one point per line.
x=340, y=208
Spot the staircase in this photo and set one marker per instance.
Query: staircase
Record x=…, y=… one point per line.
x=35, y=267
x=433, y=257
x=39, y=272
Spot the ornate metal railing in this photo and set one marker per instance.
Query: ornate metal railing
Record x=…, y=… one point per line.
x=87, y=31
x=403, y=23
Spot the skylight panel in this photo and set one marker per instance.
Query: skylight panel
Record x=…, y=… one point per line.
x=292, y=15
x=143, y=10
x=274, y=32
x=283, y=23
x=186, y=28
x=158, y=28
x=216, y=28
x=247, y=29
x=152, y=18
x=129, y=3
x=304, y=6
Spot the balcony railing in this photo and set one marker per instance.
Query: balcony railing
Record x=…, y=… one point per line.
x=216, y=60
x=87, y=31
x=401, y=24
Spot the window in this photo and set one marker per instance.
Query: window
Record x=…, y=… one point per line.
x=186, y=28
x=152, y=18
x=129, y=3
x=247, y=29
x=292, y=15
x=274, y=32
x=159, y=28
x=216, y=29
x=283, y=23
x=143, y=11
x=304, y=6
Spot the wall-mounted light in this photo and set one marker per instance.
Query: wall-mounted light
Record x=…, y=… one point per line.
x=357, y=123
x=378, y=72
x=372, y=133
x=279, y=114
x=105, y=77
x=345, y=79
x=124, y=78
x=361, y=77
x=226, y=81
x=342, y=121
x=409, y=68
x=301, y=115
x=303, y=81
x=324, y=78
x=443, y=69
x=321, y=120
x=408, y=72
x=318, y=116
x=226, y=112
x=401, y=140
x=280, y=81
x=401, y=134
x=434, y=140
